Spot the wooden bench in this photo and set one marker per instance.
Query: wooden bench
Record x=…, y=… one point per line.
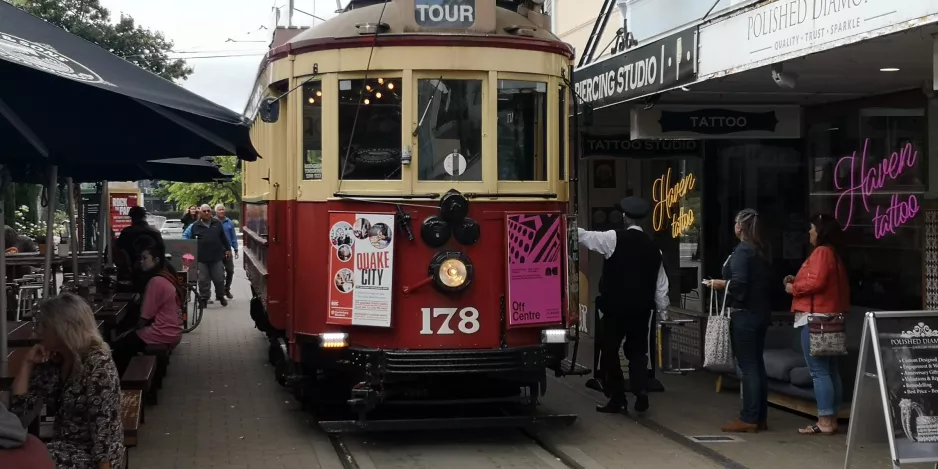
x=162, y=353
x=139, y=376
x=131, y=417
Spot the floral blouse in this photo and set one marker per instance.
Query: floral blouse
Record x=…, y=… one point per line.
x=88, y=429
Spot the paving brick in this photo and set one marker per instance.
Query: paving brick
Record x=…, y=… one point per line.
x=220, y=405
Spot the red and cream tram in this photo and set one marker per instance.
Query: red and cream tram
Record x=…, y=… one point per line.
x=406, y=229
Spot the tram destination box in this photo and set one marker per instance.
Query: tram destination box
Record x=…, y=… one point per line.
x=476, y=16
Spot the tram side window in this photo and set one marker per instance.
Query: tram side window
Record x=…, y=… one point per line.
x=312, y=131
x=563, y=144
x=522, y=131
x=370, y=129
x=449, y=130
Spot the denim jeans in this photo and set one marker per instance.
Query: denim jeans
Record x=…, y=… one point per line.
x=747, y=334
x=828, y=387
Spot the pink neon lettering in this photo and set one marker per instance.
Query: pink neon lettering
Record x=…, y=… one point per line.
x=865, y=182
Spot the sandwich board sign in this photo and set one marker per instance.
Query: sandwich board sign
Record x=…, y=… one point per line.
x=895, y=397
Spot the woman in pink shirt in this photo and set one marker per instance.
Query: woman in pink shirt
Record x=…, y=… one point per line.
x=160, y=310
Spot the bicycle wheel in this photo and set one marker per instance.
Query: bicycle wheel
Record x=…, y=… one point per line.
x=194, y=311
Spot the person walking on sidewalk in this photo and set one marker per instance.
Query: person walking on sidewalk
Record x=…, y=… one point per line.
x=821, y=289
x=634, y=284
x=228, y=226
x=214, y=248
x=747, y=299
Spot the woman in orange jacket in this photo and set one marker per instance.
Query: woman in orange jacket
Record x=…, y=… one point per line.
x=821, y=287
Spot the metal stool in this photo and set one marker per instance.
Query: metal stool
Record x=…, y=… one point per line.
x=29, y=295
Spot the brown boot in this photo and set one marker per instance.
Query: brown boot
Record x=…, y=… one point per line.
x=738, y=426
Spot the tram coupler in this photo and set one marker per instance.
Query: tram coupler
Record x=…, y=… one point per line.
x=666, y=350
x=364, y=398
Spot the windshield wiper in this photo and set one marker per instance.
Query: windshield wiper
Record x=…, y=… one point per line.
x=436, y=88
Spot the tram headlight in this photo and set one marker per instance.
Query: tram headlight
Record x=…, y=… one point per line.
x=333, y=340
x=554, y=336
x=451, y=271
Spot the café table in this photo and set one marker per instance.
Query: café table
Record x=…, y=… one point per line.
x=20, y=334
x=15, y=358
x=110, y=318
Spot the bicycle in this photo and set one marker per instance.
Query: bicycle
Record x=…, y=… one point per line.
x=191, y=318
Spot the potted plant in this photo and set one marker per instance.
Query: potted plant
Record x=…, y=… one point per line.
x=35, y=231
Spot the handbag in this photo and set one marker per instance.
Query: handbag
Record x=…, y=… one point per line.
x=718, y=350
x=827, y=332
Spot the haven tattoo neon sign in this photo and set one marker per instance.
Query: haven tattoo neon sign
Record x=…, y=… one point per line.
x=864, y=182
x=665, y=197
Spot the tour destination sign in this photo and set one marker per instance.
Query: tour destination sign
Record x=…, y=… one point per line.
x=449, y=14
x=664, y=64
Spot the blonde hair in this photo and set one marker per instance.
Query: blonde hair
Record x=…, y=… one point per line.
x=70, y=319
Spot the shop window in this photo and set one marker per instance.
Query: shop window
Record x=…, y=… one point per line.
x=522, y=131
x=868, y=170
x=312, y=131
x=675, y=222
x=370, y=129
x=768, y=176
x=449, y=130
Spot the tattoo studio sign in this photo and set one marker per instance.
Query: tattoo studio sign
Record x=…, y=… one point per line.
x=666, y=196
x=863, y=182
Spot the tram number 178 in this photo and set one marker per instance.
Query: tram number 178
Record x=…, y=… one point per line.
x=468, y=320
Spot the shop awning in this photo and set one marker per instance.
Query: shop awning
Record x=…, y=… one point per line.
x=64, y=99
x=174, y=170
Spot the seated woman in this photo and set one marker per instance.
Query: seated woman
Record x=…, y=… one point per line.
x=160, y=319
x=71, y=371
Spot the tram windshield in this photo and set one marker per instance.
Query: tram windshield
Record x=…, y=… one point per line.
x=522, y=131
x=370, y=132
x=449, y=129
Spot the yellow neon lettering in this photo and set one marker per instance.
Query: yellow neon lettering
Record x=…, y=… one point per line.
x=666, y=196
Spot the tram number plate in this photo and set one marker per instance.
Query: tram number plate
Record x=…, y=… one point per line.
x=467, y=323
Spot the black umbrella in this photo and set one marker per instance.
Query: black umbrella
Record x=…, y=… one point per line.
x=69, y=101
x=175, y=170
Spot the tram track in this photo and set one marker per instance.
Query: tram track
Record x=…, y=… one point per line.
x=350, y=454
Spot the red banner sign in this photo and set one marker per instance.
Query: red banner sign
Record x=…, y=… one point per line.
x=120, y=210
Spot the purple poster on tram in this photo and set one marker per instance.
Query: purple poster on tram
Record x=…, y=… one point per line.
x=535, y=250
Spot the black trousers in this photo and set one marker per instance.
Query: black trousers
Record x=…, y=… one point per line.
x=229, y=272
x=631, y=327
x=125, y=349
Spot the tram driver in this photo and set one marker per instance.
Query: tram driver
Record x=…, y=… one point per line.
x=634, y=284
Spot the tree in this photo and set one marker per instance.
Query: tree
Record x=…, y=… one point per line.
x=92, y=22
x=89, y=20
x=227, y=193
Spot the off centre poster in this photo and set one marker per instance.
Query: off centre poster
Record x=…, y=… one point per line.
x=534, y=277
x=361, y=268
x=120, y=210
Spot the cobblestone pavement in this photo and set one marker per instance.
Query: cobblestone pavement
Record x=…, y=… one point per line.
x=220, y=406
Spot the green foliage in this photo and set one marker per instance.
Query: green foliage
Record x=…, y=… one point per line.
x=227, y=193
x=89, y=20
x=24, y=225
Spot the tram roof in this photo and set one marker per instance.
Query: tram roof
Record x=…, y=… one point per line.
x=345, y=26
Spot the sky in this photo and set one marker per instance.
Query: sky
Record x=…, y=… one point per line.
x=200, y=29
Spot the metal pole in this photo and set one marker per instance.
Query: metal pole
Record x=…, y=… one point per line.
x=104, y=243
x=102, y=229
x=73, y=230
x=50, y=221
x=3, y=297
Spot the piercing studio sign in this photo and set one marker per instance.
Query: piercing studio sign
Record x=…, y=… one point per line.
x=667, y=63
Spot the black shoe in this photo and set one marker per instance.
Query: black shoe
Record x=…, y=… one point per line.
x=203, y=303
x=223, y=301
x=209, y=302
x=641, y=403
x=613, y=407
x=229, y=295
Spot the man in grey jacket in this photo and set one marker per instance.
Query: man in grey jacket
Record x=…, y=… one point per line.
x=19, y=450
